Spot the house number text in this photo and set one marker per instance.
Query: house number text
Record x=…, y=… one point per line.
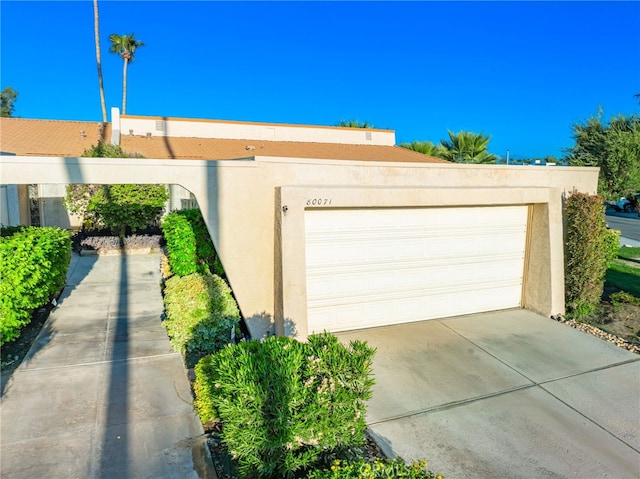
x=318, y=201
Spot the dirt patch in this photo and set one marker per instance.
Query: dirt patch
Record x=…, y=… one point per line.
x=621, y=319
x=13, y=353
x=615, y=320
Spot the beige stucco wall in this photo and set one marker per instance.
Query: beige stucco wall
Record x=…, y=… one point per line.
x=242, y=203
x=543, y=279
x=189, y=128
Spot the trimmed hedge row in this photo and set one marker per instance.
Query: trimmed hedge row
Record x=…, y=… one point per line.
x=589, y=249
x=286, y=406
x=189, y=245
x=33, y=268
x=201, y=315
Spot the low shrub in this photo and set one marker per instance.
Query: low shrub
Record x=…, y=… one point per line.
x=589, y=248
x=201, y=315
x=33, y=268
x=189, y=244
x=379, y=469
x=286, y=406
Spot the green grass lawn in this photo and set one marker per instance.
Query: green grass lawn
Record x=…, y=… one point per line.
x=626, y=252
x=624, y=275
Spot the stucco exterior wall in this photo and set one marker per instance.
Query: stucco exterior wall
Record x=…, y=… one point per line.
x=189, y=128
x=242, y=203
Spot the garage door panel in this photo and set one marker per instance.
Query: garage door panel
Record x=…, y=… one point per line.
x=464, y=290
x=350, y=278
x=386, y=266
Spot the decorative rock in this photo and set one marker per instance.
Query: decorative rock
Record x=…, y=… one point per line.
x=587, y=328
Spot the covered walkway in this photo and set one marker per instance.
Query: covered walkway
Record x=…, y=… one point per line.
x=101, y=394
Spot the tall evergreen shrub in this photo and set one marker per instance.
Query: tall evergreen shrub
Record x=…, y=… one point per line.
x=589, y=248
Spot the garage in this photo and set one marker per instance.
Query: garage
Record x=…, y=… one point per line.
x=370, y=267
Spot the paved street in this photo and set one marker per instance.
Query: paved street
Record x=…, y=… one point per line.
x=627, y=223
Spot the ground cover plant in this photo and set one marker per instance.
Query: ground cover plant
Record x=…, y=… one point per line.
x=33, y=269
x=285, y=406
x=98, y=243
x=378, y=469
x=201, y=315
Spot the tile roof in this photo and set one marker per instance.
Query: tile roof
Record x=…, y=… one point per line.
x=224, y=149
x=27, y=137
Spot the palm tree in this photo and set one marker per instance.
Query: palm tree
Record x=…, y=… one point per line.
x=354, y=124
x=96, y=27
x=424, y=147
x=467, y=147
x=125, y=46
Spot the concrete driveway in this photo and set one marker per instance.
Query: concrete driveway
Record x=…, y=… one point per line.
x=507, y=394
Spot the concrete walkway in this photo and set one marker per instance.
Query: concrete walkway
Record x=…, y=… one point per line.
x=505, y=395
x=101, y=394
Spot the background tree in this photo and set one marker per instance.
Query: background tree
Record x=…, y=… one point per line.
x=96, y=28
x=133, y=207
x=125, y=46
x=425, y=147
x=7, y=99
x=467, y=147
x=354, y=124
x=614, y=147
x=118, y=207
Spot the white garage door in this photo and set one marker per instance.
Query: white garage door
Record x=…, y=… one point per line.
x=374, y=267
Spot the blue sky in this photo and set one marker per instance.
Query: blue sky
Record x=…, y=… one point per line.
x=522, y=72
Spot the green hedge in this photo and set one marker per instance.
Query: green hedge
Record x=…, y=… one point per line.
x=205, y=251
x=589, y=248
x=181, y=244
x=379, y=469
x=117, y=207
x=285, y=406
x=201, y=315
x=33, y=268
x=189, y=244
